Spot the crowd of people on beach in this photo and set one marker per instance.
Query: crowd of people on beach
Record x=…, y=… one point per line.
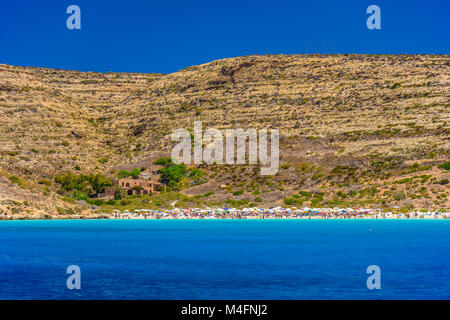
x=274, y=213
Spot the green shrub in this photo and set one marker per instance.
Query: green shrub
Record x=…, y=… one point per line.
x=45, y=182
x=445, y=165
x=135, y=173
x=78, y=195
x=237, y=203
x=305, y=194
x=164, y=162
x=65, y=211
x=60, y=210
x=84, y=183
x=16, y=180
x=395, y=85
x=103, y=160
x=341, y=194
x=123, y=174
x=290, y=201
x=99, y=182
x=96, y=202
x=196, y=173
x=403, y=181
x=399, y=195
x=172, y=175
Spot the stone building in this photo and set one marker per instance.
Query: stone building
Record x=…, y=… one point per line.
x=132, y=187
x=138, y=186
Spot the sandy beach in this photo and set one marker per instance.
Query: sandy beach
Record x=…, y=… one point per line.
x=273, y=213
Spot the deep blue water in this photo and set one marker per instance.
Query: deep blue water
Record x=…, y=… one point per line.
x=227, y=259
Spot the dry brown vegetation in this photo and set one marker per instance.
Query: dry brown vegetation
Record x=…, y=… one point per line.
x=352, y=127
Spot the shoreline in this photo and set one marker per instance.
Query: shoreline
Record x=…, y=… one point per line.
x=276, y=213
x=231, y=219
x=287, y=218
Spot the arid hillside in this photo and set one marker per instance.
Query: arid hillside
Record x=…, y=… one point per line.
x=355, y=130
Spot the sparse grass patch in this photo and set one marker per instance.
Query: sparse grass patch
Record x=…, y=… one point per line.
x=16, y=180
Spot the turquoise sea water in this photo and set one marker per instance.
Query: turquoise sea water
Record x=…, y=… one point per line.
x=226, y=259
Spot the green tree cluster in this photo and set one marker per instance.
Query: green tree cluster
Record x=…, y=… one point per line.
x=81, y=184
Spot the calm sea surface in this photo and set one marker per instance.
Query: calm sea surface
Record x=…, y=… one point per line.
x=226, y=259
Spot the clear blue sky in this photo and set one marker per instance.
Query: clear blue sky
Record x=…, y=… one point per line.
x=165, y=36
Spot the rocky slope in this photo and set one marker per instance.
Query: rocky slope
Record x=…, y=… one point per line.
x=355, y=129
